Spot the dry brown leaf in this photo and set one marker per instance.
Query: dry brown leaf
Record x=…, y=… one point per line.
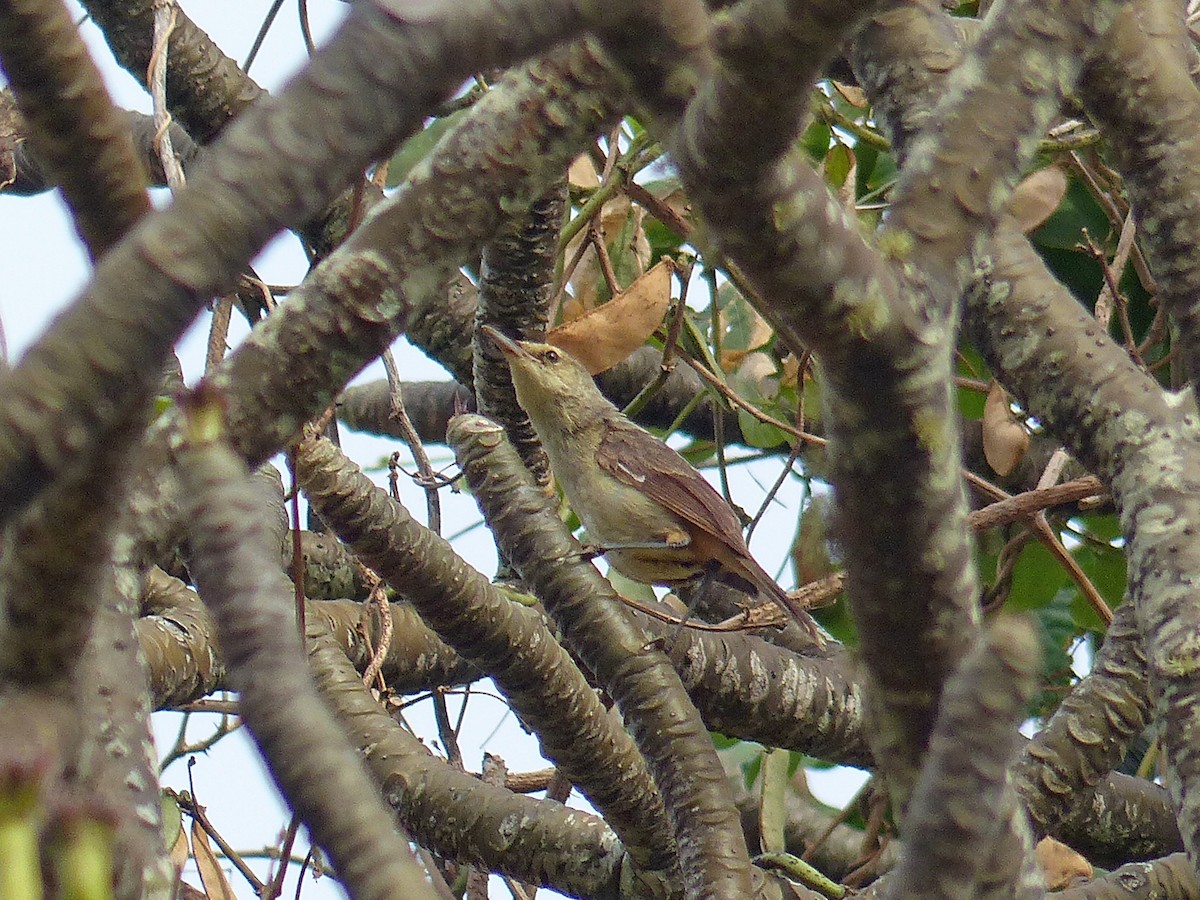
x=212, y=876
x=1061, y=866
x=179, y=851
x=1005, y=439
x=1037, y=197
x=852, y=94
x=603, y=337
x=582, y=173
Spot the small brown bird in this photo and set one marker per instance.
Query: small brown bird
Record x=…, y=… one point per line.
x=656, y=518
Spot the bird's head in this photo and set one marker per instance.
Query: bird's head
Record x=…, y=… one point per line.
x=550, y=383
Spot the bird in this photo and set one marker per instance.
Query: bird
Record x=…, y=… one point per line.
x=657, y=520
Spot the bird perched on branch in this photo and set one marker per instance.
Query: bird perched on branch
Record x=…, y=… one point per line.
x=653, y=515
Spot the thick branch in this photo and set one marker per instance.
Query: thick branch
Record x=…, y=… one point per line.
x=529, y=666
x=61, y=95
x=958, y=801
x=459, y=816
x=1002, y=97
x=516, y=282
x=894, y=457
x=315, y=767
x=1138, y=90
x=1088, y=734
x=1118, y=422
x=102, y=357
x=647, y=691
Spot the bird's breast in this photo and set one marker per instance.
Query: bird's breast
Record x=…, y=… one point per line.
x=615, y=513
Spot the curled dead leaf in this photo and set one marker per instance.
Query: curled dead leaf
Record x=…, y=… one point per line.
x=1061, y=866
x=208, y=864
x=582, y=173
x=1037, y=197
x=607, y=334
x=852, y=94
x=1005, y=438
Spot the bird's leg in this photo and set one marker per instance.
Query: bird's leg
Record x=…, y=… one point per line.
x=710, y=573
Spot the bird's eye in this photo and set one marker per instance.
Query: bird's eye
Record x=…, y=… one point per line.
x=551, y=356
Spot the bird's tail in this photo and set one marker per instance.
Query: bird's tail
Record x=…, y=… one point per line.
x=765, y=586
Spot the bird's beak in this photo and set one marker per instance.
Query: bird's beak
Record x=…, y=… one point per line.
x=506, y=344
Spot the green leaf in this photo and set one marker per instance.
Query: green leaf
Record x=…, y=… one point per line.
x=836, y=619
x=1106, y=527
x=737, y=316
x=750, y=771
x=970, y=402
x=1078, y=271
x=627, y=587
x=838, y=163
x=883, y=172
x=1105, y=567
x=867, y=156
x=1036, y=580
x=816, y=139
x=172, y=819
x=663, y=241
x=758, y=433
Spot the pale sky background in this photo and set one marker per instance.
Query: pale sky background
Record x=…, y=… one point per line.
x=44, y=266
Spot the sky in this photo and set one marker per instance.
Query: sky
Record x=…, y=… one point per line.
x=44, y=267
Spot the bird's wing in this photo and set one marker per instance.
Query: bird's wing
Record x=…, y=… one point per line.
x=640, y=460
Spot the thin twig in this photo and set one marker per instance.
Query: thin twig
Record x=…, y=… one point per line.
x=191, y=805
x=268, y=21
x=449, y=739
x=1041, y=528
x=729, y=394
x=1014, y=508
x=427, y=478
x=596, y=236
x=1110, y=297
x=305, y=28
x=378, y=601
x=165, y=15
x=218, y=334
x=275, y=887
